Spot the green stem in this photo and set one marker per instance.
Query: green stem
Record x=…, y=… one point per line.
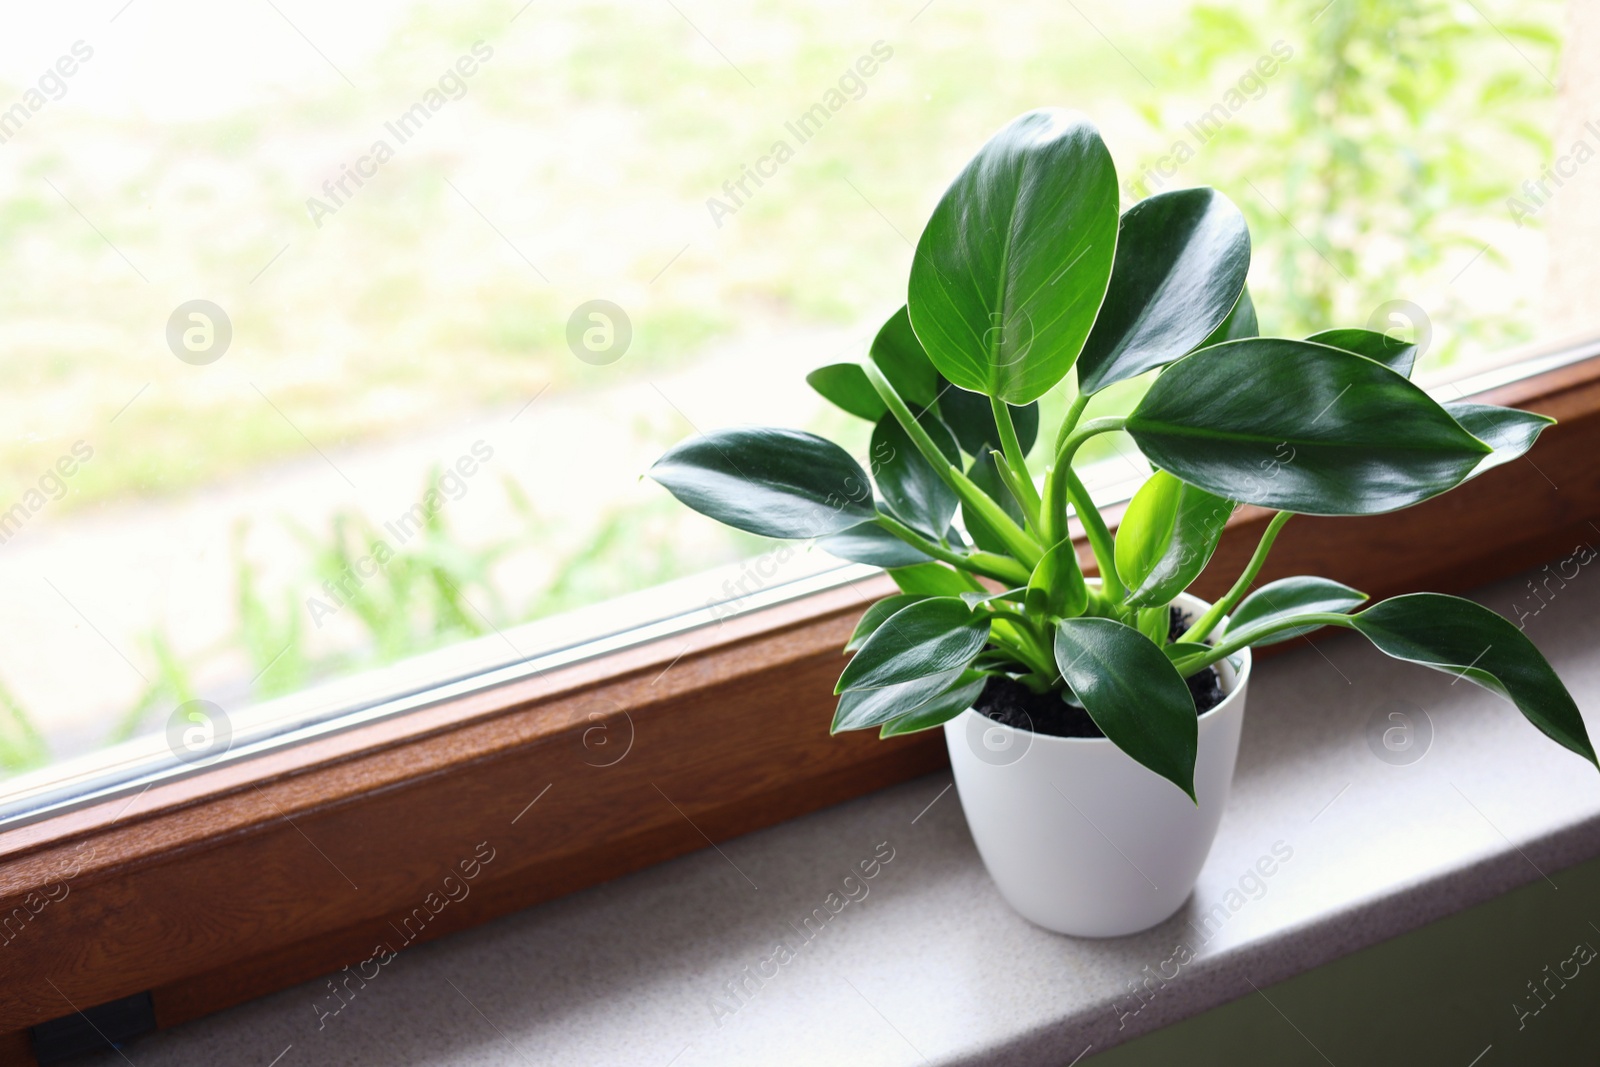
x=1018, y=542
x=989, y=564
x=1016, y=461
x=1039, y=633
x=1201, y=630
x=1021, y=618
x=1027, y=646
x=1200, y=660
x=1019, y=491
x=1070, y=421
x=1039, y=683
x=1075, y=440
x=1094, y=525
x=1058, y=479
x=1062, y=484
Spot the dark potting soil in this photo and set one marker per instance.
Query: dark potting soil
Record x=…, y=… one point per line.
x=1019, y=707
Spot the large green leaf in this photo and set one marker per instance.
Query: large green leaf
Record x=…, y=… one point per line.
x=872, y=544
x=1301, y=427
x=986, y=476
x=874, y=616
x=1278, y=600
x=961, y=695
x=1392, y=352
x=859, y=709
x=774, y=483
x=1011, y=269
x=971, y=419
x=909, y=485
x=899, y=354
x=1166, y=538
x=920, y=639
x=846, y=385
x=1508, y=431
x=1469, y=641
x=1133, y=693
x=1180, y=266
x=1240, y=323
x=1056, y=587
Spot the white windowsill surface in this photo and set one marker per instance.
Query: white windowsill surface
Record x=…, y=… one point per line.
x=932, y=966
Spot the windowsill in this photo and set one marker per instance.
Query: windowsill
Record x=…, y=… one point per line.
x=932, y=964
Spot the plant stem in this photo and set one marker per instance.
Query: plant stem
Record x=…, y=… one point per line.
x=1016, y=488
x=1200, y=660
x=1016, y=461
x=1076, y=439
x=1019, y=639
x=1094, y=525
x=1018, y=542
x=1038, y=683
x=1057, y=480
x=1201, y=630
x=1053, y=510
x=1070, y=421
x=989, y=564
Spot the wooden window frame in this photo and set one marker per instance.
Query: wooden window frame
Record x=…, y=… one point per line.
x=250, y=877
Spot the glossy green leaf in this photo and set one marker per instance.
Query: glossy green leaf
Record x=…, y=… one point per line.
x=1011, y=268
x=1180, y=266
x=911, y=488
x=1508, y=431
x=874, y=617
x=871, y=544
x=1468, y=640
x=1057, y=587
x=1146, y=527
x=933, y=579
x=1240, y=323
x=846, y=386
x=1392, y=352
x=1166, y=538
x=923, y=638
x=1133, y=693
x=859, y=709
x=971, y=419
x=773, y=483
x=941, y=709
x=900, y=356
x=1278, y=600
x=1301, y=427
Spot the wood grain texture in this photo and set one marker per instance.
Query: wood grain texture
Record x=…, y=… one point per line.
x=256, y=876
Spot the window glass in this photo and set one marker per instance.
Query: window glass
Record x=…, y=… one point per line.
x=337, y=334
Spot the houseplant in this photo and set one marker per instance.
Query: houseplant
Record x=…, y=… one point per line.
x=1081, y=714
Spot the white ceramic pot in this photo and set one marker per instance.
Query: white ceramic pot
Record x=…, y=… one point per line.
x=1079, y=837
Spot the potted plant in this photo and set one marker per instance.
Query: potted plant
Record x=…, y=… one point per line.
x=1093, y=724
